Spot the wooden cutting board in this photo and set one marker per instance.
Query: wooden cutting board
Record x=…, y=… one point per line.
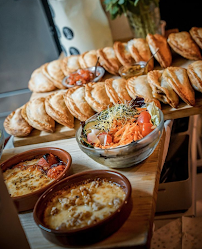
x=144, y=177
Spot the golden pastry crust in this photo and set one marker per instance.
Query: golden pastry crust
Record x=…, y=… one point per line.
x=116, y=90
x=178, y=79
x=163, y=56
x=16, y=125
x=88, y=59
x=57, y=109
x=123, y=54
x=96, y=96
x=39, y=83
x=161, y=89
x=70, y=64
x=54, y=72
x=140, y=51
x=183, y=44
x=108, y=60
x=194, y=72
x=35, y=114
x=138, y=86
x=196, y=34
x=75, y=101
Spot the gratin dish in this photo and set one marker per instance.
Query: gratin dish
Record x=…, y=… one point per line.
x=99, y=70
x=27, y=201
x=91, y=233
x=126, y=155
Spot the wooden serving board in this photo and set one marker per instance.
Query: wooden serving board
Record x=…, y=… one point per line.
x=144, y=177
x=62, y=132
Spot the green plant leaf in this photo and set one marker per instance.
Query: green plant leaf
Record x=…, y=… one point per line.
x=121, y=2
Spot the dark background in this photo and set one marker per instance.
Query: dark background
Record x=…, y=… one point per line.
x=181, y=14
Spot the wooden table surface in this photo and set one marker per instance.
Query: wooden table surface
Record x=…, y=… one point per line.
x=144, y=177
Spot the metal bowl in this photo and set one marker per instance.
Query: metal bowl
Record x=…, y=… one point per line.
x=126, y=155
x=101, y=71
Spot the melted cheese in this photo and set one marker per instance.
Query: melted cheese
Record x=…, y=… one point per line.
x=25, y=179
x=83, y=205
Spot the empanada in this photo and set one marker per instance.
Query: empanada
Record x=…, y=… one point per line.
x=88, y=59
x=161, y=89
x=138, y=86
x=54, y=72
x=35, y=114
x=78, y=106
x=183, y=44
x=40, y=83
x=140, y=51
x=96, y=96
x=116, y=90
x=70, y=64
x=196, y=34
x=108, y=60
x=16, y=125
x=194, y=72
x=123, y=54
x=57, y=109
x=178, y=79
x=163, y=56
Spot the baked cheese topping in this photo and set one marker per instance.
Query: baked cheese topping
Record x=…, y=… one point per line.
x=25, y=178
x=83, y=205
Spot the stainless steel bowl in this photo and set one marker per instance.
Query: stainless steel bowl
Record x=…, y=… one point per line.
x=99, y=69
x=127, y=155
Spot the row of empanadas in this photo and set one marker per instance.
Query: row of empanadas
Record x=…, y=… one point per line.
x=82, y=102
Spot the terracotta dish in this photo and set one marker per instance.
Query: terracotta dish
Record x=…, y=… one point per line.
x=27, y=201
x=87, y=234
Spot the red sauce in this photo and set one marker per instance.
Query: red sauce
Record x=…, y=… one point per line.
x=82, y=76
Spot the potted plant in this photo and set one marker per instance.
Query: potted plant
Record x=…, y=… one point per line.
x=143, y=15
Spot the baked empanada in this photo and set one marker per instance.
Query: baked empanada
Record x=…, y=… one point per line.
x=16, y=125
x=108, y=60
x=123, y=54
x=178, y=79
x=54, y=72
x=35, y=114
x=194, y=72
x=140, y=51
x=96, y=96
x=163, y=56
x=70, y=64
x=78, y=106
x=57, y=109
x=116, y=90
x=88, y=59
x=161, y=89
x=183, y=44
x=40, y=83
x=138, y=86
x=196, y=34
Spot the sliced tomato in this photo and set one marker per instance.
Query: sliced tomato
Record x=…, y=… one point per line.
x=55, y=171
x=105, y=138
x=146, y=129
x=144, y=117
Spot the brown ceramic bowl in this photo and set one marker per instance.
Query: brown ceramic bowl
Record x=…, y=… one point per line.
x=26, y=202
x=91, y=233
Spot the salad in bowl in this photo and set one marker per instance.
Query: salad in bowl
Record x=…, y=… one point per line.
x=122, y=135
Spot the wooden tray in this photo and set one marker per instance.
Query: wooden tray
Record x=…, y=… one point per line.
x=144, y=177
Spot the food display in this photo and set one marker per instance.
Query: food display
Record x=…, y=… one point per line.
x=31, y=175
x=120, y=125
x=131, y=60
x=82, y=205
